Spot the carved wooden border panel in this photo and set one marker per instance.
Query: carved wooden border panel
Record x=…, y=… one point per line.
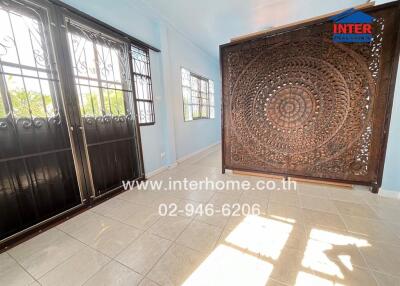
x=297, y=104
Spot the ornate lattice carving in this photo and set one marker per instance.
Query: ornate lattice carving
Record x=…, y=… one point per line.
x=297, y=103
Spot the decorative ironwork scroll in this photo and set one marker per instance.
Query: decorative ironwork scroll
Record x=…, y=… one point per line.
x=297, y=104
x=104, y=89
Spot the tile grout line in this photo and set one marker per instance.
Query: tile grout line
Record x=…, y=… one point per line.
x=23, y=268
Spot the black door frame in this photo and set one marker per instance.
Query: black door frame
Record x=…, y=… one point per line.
x=62, y=15
x=69, y=103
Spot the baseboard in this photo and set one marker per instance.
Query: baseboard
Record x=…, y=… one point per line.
x=160, y=170
x=200, y=153
x=389, y=194
x=156, y=172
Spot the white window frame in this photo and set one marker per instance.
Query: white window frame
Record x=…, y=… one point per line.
x=198, y=96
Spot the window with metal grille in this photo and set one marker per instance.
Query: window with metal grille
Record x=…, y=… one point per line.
x=198, y=96
x=28, y=82
x=100, y=73
x=143, y=86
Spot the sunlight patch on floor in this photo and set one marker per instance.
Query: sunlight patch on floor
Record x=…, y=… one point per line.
x=308, y=279
x=330, y=253
x=261, y=236
x=249, y=252
x=229, y=266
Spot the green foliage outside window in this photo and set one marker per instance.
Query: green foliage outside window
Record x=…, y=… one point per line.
x=113, y=103
x=2, y=109
x=24, y=103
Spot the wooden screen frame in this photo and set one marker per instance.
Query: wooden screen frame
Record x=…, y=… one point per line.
x=387, y=76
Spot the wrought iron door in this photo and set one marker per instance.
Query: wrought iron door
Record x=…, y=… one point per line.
x=101, y=65
x=68, y=119
x=297, y=104
x=37, y=173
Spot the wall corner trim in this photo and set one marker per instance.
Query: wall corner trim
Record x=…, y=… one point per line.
x=199, y=154
x=389, y=194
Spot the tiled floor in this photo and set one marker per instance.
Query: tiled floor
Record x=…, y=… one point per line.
x=315, y=235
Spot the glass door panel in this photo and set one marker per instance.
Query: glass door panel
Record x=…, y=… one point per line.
x=37, y=168
x=102, y=77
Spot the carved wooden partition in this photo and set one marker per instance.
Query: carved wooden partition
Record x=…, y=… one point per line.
x=297, y=104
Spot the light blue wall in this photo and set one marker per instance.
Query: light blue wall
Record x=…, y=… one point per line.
x=391, y=174
x=193, y=135
x=170, y=135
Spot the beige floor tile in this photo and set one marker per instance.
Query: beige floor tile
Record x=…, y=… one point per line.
x=170, y=227
x=386, y=280
x=175, y=266
x=142, y=217
x=104, y=234
x=144, y=252
x=114, y=274
x=12, y=274
x=76, y=270
x=355, y=277
x=263, y=236
x=218, y=220
x=263, y=195
x=379, y=201
x=335, y=247
x=45, y=251
x=395, y=227
x=188, y=208
x=297, y=239
x=315, y=235
x=354, y=209
x=309, y=189
x=372, y=229
x=234, y=221
x=199, y=236
x=271, y=282
x=384, y=258
x=148, y=282
x=151, y=198
x=220, y=199
x=115, y=208
x=318, y=204
x=288, y=266
x=346, y=195
x=289, y=198
x=315, y=219
x=391, y=214
x=288, y=213
x=254, y=199
x=231, y=187
x=229, y=266
x=201, y=196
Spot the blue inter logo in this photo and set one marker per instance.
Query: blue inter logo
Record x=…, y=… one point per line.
x=352, y=26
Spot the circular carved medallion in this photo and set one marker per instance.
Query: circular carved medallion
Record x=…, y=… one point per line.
x=296, y=104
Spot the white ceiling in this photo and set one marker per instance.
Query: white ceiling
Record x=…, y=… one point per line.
x=209, y=23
